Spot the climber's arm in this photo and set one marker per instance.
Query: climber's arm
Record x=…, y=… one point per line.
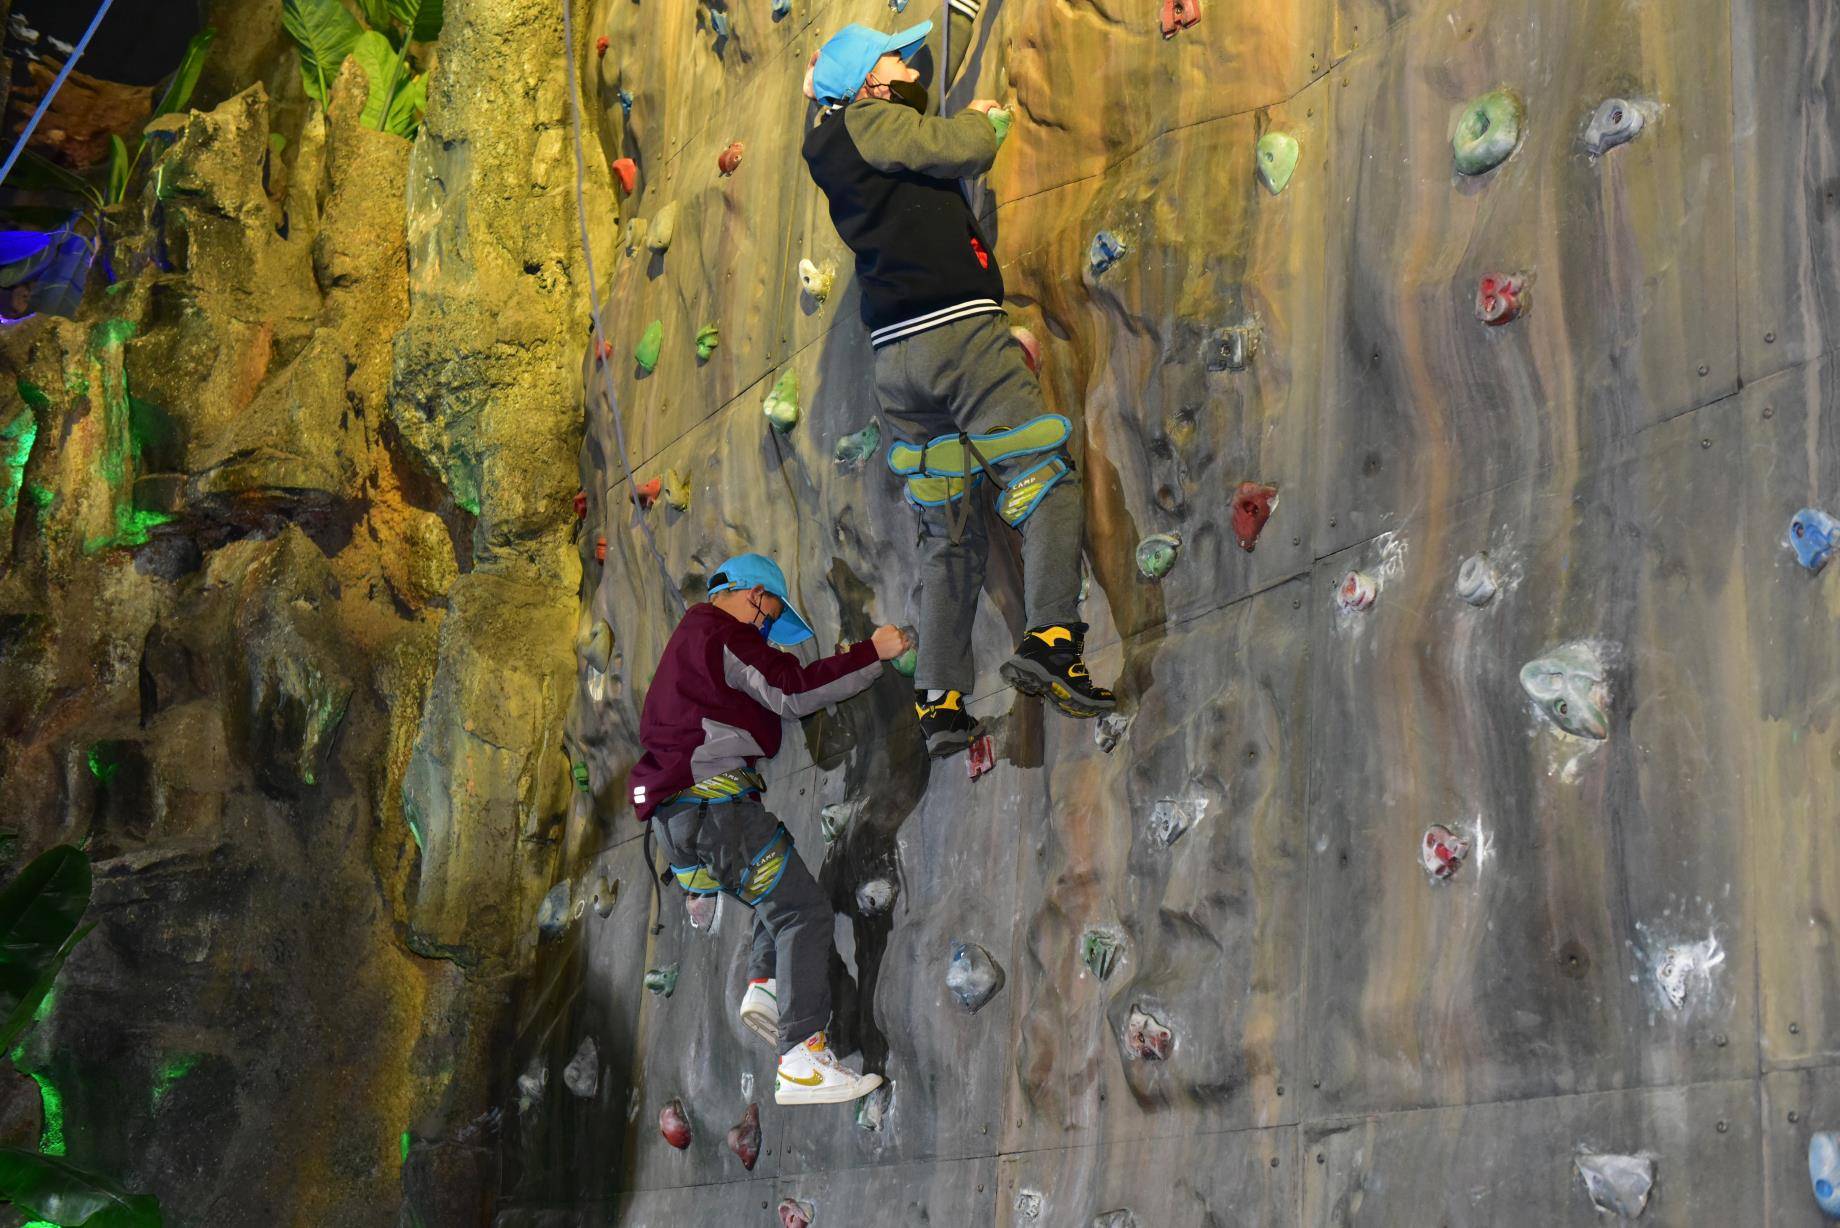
x=892, y=137
x=961, y=20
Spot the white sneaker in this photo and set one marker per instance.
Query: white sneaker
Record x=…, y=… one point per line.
x=811, y=1074
x=760, y=1011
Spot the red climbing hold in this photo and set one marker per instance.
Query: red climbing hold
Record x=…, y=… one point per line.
x=1179, y=15
x=628, y=171
x=1498, y=298
x=1145, y=1037
x=674, y=1124
x=729, y=159
x=646, y=493
x=1442, y=852
x=794, y=1214
x=1031, y=348
x=581, y=505
x=600, y=548
x=600, y=46
x=980, y=758
x=603, y=349
x=744, y=1137
x=1251, y=509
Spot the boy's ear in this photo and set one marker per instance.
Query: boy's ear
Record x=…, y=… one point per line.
x=811, y=91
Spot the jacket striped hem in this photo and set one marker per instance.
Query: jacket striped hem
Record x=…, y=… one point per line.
x=933, y=319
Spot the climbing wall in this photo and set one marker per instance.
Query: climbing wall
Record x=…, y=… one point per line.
x=1631, y=742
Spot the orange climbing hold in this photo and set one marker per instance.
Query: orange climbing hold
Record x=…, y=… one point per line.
x=729, y=159
x=600, y=47
x=628, y=171
x=603, y=349
x=600, y=548
x=1179, y=15
x=646, y=493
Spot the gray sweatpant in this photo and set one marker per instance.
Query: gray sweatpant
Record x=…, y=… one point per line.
x=969, y=376
x=792, y=924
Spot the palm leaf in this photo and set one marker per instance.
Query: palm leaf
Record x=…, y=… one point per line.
x=118, y=169
x=324, y=32
x=375, y=57
x=178, y=92
x=53, y=1190
x=422, y=17
x=376, y=14
x=39, y=911
x=407, y=107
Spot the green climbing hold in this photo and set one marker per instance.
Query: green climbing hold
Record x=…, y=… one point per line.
x=708, y=338
x=1488, y=131
x=1099, y=952
x=646, y=355
x=853, y=450
x=782, y=404
x=579, y=771
x=662, y=981
x=1156, y=554
x=907, y=662
x=1277, y=158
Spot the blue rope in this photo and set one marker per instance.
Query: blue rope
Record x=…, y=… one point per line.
x=57, y=83
x=605, y=367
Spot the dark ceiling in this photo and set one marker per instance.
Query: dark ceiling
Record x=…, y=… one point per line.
x=138, y=43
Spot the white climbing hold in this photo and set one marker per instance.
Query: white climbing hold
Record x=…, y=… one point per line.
x=817, y=279
x=582, y=1076
x=532, y=1084
x=1028, y=1204
x=1356, y=592
x=1476, y=580
x=875, y=897
x=1617, y=1184
x=1170, y=818
x=664, y=228
x=1685, y=968
x=1109, y=729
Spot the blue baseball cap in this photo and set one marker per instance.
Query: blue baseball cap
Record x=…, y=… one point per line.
x=846, y=59
x=748, y=570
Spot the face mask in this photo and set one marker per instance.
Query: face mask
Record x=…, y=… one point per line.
x=909, y=93
x=765, y=625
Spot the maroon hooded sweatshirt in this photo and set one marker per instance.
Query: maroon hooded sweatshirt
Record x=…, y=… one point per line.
x=719, y=696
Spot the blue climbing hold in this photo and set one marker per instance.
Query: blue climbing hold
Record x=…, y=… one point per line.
x=719, y=21
x=1105, y=251
x=1824, y=1170
x=626, y=101
x=899, y=6
x=1813, y=534
x=781, y=8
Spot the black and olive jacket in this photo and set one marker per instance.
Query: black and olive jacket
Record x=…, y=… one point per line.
x=890, y=175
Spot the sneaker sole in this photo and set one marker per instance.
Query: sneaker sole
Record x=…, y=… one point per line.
x=761, y=1024
x=949, y=742
x=827, y=1095
x=1032, y=679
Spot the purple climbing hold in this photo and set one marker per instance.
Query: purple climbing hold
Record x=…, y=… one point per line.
x=973, y=976
x=1813, y=534
x=674, y=1124
x=744, y=1137
x=1105, y=251
x=1145, y=1037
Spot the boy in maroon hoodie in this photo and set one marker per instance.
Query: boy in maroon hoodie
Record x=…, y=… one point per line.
x=715, y=710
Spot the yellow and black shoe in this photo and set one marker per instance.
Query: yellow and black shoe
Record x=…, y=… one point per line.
x=947, y=727
x=1048, y=662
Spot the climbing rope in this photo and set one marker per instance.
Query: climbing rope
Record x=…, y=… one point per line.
x=594, y=299
x=57, y=83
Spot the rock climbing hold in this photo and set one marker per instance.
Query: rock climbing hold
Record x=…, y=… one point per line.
x=1617, y=1184
x=980, y=757
x=1252, y=506
x=1145, y=1036
x=872, y=1110
x=1824, y=1170
x=606, y=895
x=674, y=1124
x=1099, y=951
x=875, y=897
x=1498, y=297
x=594, y=642
x=853, y=450
x=782, y=403
x=708, y=338
x=1114, y=1219
x=1031, y=348
x=729, y=160
x=794, y=1214
x=581, y=505
x=781, y=8
x=702, y=910
x=1170, y=818
x=973, y=976
x=899, y=6
x=1476, y=580
x=1276, y=159
x=582, y=1076
x=744, y=1137
x=662, y=981
x=676, y=491
x=634, y=235
x=816, y=279
x=909, y=661
x=1685, y=966
x=1356, y=592
x=646, y=493
x=1442, y=851
x=835, y=819
x=719, y=22
x=663, y=229
x=1156, y=554
x=650, y=343
x=553, y=912
x=1028, y=1204
x=1568, y=687
x=600, y=47
x=626, y=102
x=1179, y=15
x=1617, y=121
x=600, y=548
x=1813, y=534
x=1487, y=132
x=1105, y=251
x=628, y=172
x=1231, y=348
x=1108, y=729
x=579, y=771
x=603, y=349
x=532, y=1084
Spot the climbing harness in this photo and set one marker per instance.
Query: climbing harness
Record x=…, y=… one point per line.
x=764, y=869
x=940, y=471
x=57, y=83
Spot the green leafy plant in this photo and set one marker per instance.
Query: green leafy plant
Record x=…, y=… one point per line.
x=39, y=915
x=174, y=98
x=61, y=1193
x=326, y=33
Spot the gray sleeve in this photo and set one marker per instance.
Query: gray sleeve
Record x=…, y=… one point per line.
x=961, y=19
x=751, y=682
x=892, y=137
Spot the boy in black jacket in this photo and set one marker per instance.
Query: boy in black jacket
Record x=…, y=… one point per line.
x=950, y=377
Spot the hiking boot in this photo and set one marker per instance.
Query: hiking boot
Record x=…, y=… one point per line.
x=1047, y=662
x=811, y=1074
x=947, y=727
x=760, y=1010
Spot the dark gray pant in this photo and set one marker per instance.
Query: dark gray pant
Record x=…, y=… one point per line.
x=969, y=376
x=792, y=924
